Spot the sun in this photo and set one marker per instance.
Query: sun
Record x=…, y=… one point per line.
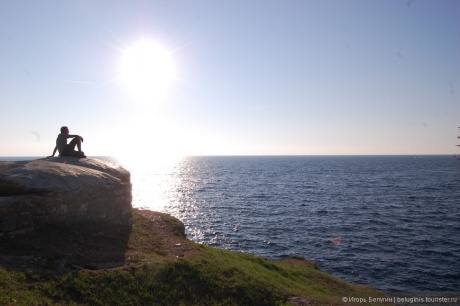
x=147, y=70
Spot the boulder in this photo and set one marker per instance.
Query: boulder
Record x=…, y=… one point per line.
x=64, y=190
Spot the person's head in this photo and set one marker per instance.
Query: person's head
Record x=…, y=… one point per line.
x=64, y=130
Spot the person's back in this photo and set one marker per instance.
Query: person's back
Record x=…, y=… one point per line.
x=61, y=143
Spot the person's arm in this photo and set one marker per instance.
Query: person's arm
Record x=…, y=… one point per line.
x=73, y=136
x=54, y=152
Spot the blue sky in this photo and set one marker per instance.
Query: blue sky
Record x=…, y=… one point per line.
x=250, y=77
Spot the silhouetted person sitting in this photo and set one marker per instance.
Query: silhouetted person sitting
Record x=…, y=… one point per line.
x=68, y=149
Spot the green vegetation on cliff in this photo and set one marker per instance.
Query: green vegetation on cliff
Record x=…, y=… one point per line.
x=152, y=263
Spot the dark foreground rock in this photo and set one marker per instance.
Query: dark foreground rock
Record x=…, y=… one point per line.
x=62, y=190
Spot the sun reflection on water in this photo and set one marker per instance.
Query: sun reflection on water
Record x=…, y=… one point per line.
x=169, y=184
x=153, y=180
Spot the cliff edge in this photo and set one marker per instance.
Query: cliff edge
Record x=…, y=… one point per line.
x=62, y=190
x=129, y=256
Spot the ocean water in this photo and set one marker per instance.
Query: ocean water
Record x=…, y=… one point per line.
x=392, y=222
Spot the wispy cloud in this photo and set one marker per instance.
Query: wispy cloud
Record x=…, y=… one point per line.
x=78, y=82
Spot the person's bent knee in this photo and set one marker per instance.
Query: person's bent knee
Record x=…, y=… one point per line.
x=75, y=141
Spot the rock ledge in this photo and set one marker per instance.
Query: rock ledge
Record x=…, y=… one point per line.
x=63, y=190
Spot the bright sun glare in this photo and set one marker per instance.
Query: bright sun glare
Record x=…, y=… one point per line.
x=147, y=70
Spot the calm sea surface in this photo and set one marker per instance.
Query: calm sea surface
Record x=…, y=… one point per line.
x=392, y=222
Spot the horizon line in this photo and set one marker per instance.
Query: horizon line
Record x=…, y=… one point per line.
x=256, y=155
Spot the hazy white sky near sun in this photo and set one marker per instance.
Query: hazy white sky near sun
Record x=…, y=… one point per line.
x=243, y=77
